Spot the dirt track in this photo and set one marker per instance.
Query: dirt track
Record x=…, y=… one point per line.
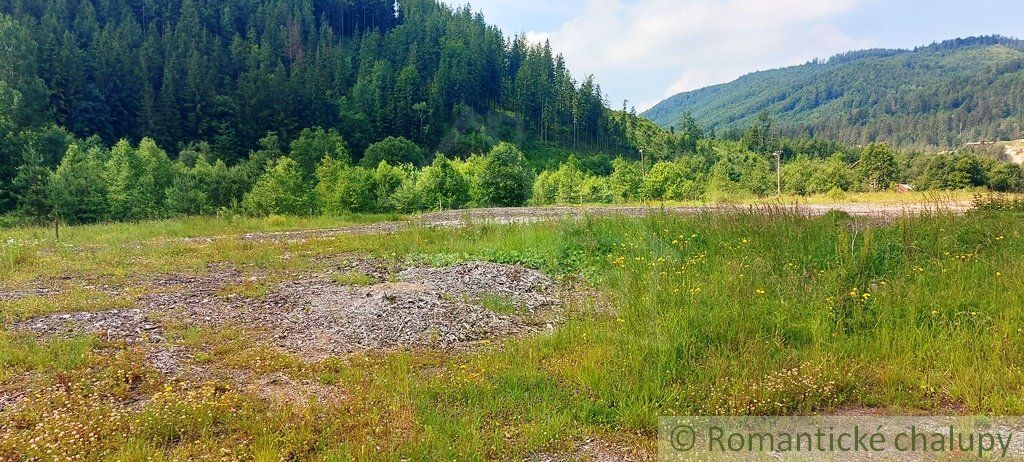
x=462, y=218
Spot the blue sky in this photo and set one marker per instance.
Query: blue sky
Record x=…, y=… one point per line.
x=646, y=50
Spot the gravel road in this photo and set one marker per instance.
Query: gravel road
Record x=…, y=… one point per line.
x=462, y=218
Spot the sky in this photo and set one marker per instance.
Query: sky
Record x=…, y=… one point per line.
x=644, y=51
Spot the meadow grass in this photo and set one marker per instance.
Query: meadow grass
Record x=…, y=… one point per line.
x=762, y=314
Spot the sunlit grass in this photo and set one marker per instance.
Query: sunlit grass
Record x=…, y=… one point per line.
x=709, y=314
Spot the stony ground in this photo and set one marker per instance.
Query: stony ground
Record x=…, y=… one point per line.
x=322, y=315
x=359, y=305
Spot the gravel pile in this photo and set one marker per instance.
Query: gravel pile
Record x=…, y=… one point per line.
x=378, y=270
x=526, y=288
x=132, y=326
x=331, y=320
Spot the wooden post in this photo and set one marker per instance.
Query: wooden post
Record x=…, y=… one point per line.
x=56, y=229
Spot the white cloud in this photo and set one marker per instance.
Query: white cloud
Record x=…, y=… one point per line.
x=646, y=50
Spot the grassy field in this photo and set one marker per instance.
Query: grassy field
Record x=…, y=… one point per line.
x=763, y=314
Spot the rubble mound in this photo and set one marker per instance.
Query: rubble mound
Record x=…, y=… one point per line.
x=526, y=288
x=329, y=319
x=377, y=270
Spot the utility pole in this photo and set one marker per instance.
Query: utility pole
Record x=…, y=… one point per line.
x=643, y=175
x=778, y=172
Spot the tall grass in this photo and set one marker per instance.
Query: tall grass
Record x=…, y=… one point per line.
x=710, y=314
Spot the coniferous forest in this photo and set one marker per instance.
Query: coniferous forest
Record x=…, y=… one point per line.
x=229, y=77
x=139, y=109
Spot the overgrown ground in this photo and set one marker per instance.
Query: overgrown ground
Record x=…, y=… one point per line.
x=743, y=313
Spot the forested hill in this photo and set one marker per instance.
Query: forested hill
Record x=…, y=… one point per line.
x=941, y=95
x=227, y=72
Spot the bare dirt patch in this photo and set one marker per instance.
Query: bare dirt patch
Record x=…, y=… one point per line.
x=1014, y=151
x=315, y=317
x=279, y=388
x=130, y=326
x=11, y=295
x=597, y=450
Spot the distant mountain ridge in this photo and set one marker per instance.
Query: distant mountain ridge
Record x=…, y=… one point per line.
x=941, y=95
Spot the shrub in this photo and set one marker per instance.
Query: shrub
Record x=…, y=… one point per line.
x=440, y=185
x=505, y=179
x=280, y=191
x=1006, y=177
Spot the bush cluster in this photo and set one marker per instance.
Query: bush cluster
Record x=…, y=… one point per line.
x=317, y=174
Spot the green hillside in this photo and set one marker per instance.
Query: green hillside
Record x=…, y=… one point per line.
x=229, y=77
x=941, y=95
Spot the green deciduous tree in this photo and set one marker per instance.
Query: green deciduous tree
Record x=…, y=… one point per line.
x=394, y=151
x=682, y=179
x=280, y=191
x=136, y=180
x=505, y=179
x=186, y=195
x=832, y=175
x=625, y=181
x=355, y=191
x=878, y=168
x=797, y=175
x=441, y=186
x=387, y=180
x=313, y=144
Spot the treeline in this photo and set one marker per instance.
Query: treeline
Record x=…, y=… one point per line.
x=226, y=72
x=316, y=174
x=728, y=171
